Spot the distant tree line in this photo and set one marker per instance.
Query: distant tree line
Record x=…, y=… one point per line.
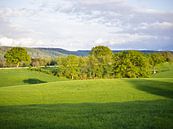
x=100, y=63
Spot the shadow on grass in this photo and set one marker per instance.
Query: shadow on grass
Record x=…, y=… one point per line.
x=127, y=115
x=33, y=81
x=155, y=87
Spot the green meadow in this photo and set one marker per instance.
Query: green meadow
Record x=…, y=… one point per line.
x=35, y=100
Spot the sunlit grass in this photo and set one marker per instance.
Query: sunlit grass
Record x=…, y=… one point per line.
x=85, y=104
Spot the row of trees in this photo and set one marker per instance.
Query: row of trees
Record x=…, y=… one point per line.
x=101, y=63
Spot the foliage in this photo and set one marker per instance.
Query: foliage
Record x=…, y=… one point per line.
x=168, y=56
x=159, y=58
x=131, y=64
x=104, y=56
x=101, y=51
x=2, y=62
x=36, y=62
x=93, y=66
x=68, y=66
x=17, y=56
x=102, y=63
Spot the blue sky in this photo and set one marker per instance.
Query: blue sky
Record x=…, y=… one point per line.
x=164, y=5
x=83, y=24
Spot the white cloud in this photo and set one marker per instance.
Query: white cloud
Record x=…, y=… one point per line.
x=158, y=25
x=81, y=24
x=5, y=41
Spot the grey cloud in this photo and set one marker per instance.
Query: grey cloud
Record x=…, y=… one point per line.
x=80, y=22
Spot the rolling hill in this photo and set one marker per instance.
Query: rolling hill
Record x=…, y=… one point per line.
x=83, y=104
x=54, y=52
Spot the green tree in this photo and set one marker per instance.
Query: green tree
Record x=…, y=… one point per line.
x=69, y=66
x=2, y=62
x=101, y=51
x=93, y=68
x=168, y=56
x=131, y=64
x=83, y=63
x=155, y=59
x=17, y=56
x=104, y=56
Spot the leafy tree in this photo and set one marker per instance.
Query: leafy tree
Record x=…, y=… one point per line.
x=131, y=64
x=155, y=59
x=102, y=63
x=69, y=66
x=101, y=51
x=83, y=63
x=168, y=56
x=17, y=56
x=93, y=68
x=104, y=56
x=2, y=62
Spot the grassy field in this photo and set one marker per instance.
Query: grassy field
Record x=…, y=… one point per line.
x=84, y=104
x=13, y=77
x=164, y=71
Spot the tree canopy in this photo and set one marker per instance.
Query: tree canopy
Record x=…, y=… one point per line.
x=101, y=51
x=131, y=64
x=103, y=63
x=16, y=56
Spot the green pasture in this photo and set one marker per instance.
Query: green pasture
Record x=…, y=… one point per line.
x=83, y=104
x=164, y=71
x=13, y=77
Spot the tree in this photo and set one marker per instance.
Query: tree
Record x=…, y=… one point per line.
x=2, y=62
x=101, y=51
x=93, y=68
x=83, y=63
x=69, y=66
x=104, y=56
x=155, y=59
x=17, y=56
x=168, y=56
x=131, y=64
x=36, y=62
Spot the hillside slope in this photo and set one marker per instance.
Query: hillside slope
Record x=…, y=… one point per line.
x=13, y=77
x=35, y=52
x=91, y=91
x=164, y=71
x=85, y=104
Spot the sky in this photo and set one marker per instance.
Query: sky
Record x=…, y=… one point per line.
x=83, y=24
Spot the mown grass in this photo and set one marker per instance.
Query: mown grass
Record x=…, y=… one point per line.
x=156, y=114
x=164, y=71
x=12, y=77
x=91, y=91
x=88, y=104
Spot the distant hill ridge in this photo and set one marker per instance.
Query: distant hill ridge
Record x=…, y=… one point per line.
x=54, y=52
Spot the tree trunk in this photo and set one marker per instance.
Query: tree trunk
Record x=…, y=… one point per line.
x=154, y=70
x=17, y=65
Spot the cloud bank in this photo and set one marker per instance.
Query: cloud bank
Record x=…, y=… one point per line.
x=83, y=24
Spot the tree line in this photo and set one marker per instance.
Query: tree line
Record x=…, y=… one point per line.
x=100, y=63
